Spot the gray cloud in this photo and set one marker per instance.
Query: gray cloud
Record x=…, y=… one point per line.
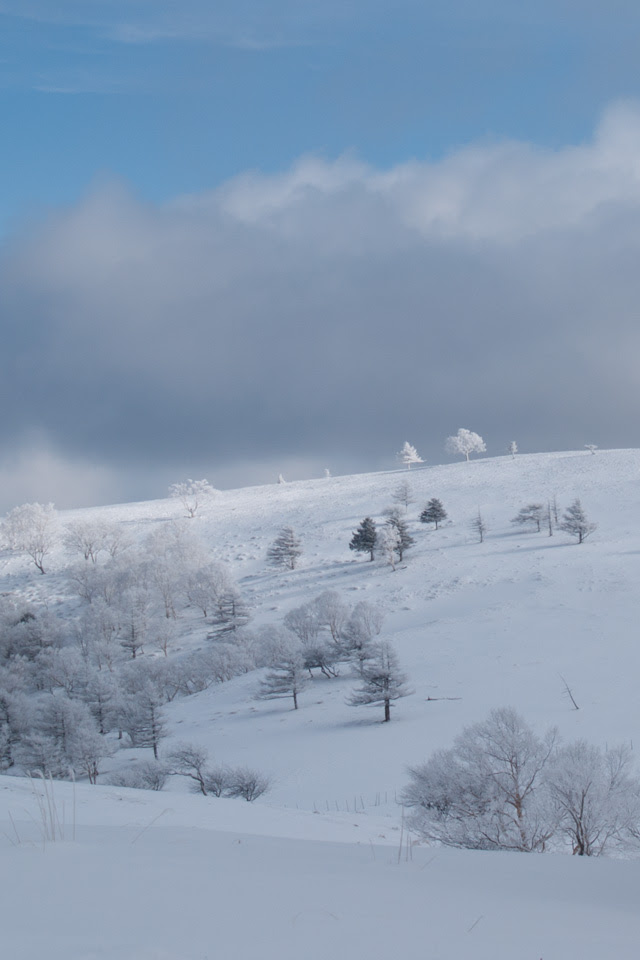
x=325, y=315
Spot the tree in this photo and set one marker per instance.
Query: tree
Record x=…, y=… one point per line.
x=286, y=676
x=575, y=522
x=403, y=494
x=285, y=549
x=591, y=447
x=187, y=760
x=93, y=537
x=597, y=801
x=487, y=792
x=479, y=526
x=247, y=783
x=465, y=442
x=382, y=681
x=192, y=494
x=512, y=448
x=434, y=512
x=230, y=613
x=409, y=455
x=31, y=529
x=364, y=538
x=403, y=539
x=532, y=513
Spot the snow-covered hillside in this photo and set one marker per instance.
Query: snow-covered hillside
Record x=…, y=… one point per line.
x=475, y=625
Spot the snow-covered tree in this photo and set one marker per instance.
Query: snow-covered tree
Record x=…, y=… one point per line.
x=364, y=538
x=409, y=455
x=230, y=613
x=591, y=447
x=534, y=513
x=382, y=681
x=403, y=494
x=574, y=522
x=434, y=512
x=286, y=675
x=404, y=540
x=479, y=527
x=192, y=494
x=487, y=792
x=31, y=529
x=93, y=537
x=596, y=797
x=512, y=448
x=281, y=479
x=285, y=549
x=465, y=442
x=247, y=783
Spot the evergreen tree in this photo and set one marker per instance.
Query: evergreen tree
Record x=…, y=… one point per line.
x=479, y=526
x=532, y=513
x=364, y=538
x=434, y=512
x=409, y=455
x=382, y=681
x=286, y=676
x=285, y=549
x=575, y=522
x=404, y=539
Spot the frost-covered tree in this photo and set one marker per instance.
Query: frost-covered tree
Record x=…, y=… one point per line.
x=403, y=539
x=464, y=443
x=591, y=447
x=382, y=681
x=285, y=549
x=230, y=614
x=332, y=613
x=205, y=584
x=409, y=455
x=31, y=529
x=574, y=522
x=403, y=494
x=486, y=792
x=512, y=448
x=90, y=538
x=141, y=710
x=434, y=512
x=192, y=494
x=364, y=538
x=247, y=783
x=479, y=527
x=596, y=798
x=534, y=513
x=286, y=675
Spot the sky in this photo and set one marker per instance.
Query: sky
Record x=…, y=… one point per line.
x=244, y=239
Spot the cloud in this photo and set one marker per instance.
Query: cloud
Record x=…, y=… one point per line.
x=325, y=315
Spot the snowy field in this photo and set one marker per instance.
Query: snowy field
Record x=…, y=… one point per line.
x=320, y=865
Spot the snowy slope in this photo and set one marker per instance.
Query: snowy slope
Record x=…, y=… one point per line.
x=478, y=625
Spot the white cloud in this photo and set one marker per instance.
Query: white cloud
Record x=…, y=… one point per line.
x=325, y=312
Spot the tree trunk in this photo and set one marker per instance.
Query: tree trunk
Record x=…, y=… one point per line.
x=387, y=711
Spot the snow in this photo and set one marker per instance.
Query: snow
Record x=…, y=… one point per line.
x=312, y=869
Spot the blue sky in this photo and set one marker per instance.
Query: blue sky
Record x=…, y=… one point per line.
x=177, y=97
x=248, y=238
